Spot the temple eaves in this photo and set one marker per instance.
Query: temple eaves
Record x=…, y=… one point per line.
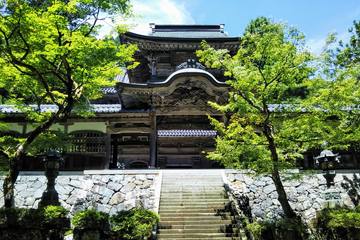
x=187, y=37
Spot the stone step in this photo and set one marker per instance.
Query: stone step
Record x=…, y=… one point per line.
x=195, y=201
x=192, y=180
x=200, y=186
x=193, y=209
x=196, y=226
x=200, y=198
x=200, y=230
x=210, y=208
x=191, y=219
x=198, y=194
x=196, y=238
x=193, y=187
x=193, y=194
x=193, y=235
x=197, y=221
x=199, y=205
x=195, y=179
x=192, y=190
x=195, y=214
x=194, y=173
x=195, y=204
x=205, y=185
x=195, y=197
x=186, y=210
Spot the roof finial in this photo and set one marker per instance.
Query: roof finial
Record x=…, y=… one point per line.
x=152, y=26
x=222, y=26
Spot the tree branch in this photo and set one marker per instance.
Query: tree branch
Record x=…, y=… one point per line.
x=251, y=103
x=27, y=49
x=96, y=16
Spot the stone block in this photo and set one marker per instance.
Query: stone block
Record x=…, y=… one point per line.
x=62, y=180
x=105, y=179
x=128, y=187
x=150, y=177
x=38, y=193
x=104, y=191
x=147, y=184
x=20, y=187
x=141, y=177
x=269, y=189
x=103, y=208
x=37, y=184
x=64, y=189
x=75, y=183
x=117, y=198
x=230, y=177
x=260, y=183
x=115, y=186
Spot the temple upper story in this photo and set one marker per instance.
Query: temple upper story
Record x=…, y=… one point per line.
x=168, y=48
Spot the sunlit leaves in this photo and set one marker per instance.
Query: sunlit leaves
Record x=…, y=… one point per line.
x=50, y=54
x=270, y=66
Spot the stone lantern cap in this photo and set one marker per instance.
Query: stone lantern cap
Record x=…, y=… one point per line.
x=328, y=158
x=327, y=153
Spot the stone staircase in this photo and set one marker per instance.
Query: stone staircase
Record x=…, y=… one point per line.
x=193, y=206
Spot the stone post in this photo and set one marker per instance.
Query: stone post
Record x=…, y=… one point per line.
x=52, y=164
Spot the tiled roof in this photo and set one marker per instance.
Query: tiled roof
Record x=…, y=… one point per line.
x=190, y=34
x=109, y=90
x=106, y=108
x=97, y=108
x=281, y=107
x=188, y=31
x=186, y=133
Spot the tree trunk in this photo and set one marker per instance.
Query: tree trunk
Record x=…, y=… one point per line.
x=282, y=197
x=9, y=184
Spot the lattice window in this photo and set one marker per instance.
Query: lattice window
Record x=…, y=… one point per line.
x=87, y=141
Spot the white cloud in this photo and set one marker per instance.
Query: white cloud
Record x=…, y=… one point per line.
x=152, y=11
x=159, y=12
x=317, y=45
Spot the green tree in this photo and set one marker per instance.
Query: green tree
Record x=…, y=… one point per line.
x=349, y=53
x=337, y=90
x=50, y=54
x=270, y=67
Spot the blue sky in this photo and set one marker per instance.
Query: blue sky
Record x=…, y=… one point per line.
x=315, y=18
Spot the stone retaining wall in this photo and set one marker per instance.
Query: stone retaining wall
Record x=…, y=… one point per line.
x=306, y=195
x=106, y=190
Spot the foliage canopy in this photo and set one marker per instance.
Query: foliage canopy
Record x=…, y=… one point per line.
x=270, y=67
x=50, y=54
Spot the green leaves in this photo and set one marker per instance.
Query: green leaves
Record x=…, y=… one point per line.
x=53, y=51
x=270, y=67
x=136, y=223
x=91, y=219
x=50, y=54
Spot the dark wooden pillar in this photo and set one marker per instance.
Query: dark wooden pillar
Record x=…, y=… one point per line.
x=107, y=164
x=153, y=140
x=113, y=162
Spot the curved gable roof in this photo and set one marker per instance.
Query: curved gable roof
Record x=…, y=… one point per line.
x=179, y=73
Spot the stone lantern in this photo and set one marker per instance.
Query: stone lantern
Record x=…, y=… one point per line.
x=328, y=162
x=52, y=160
